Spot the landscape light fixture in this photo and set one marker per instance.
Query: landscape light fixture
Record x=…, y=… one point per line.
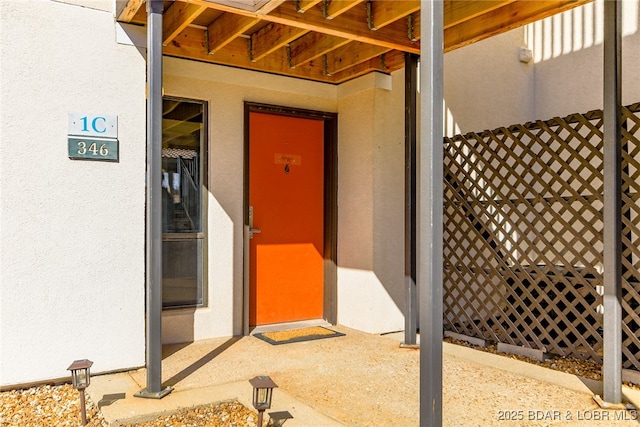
x=262, y=393
x=81, y=378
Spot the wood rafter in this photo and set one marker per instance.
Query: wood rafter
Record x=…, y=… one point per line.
x=508, y=17
x=352, y=54
x=271, y=38
x=130, y=10
x=325, y=40
x=226, y=28
x=384, y=13
x=312, y=46
x=333, y=8
x=456, y=12
x=177, y=17
x=303, y=5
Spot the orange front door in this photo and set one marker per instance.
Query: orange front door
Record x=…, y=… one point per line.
x=286, y=195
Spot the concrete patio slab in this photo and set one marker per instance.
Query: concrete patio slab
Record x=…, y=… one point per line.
x=360, y=380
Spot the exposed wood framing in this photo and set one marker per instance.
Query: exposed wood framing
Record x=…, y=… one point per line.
x=177, y=17
x=303, y=5
x=130, y=10
x=333, y=8
x=271, y=38
x=227, y=28
x=384, y=13
x=348, y=37
x=500, y=20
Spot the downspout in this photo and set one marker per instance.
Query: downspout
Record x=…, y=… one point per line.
x=430, y=201
x=410, y=129
x=154, y=389
x=612, y=116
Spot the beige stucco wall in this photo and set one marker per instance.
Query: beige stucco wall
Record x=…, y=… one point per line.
x=371, y=203
x=71, y=232
x=486, y=86
x=226, y=89
x=568, y=52
x=370, y=166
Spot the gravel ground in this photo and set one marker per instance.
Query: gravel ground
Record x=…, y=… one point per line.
x=571, y=365
x=49, y=406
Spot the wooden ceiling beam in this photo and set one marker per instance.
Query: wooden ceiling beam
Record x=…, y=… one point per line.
x=312, y=46
x=130, y=9
x=269, y=6
x=177, y=17
x=456, y=12
x=333, y=8
x=352, y=54
x=390, y=61
x=385, y=12
x=352, y=24
x=226, y=28
x=303, y=5
x=271, y=38
x=191, y=44
x=500, y=20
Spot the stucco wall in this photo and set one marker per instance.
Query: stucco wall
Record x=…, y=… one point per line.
x=226, y=89
x=486, y=86
x=370, y=215
x=568, y=53
x=370, y=203
x=72, y=232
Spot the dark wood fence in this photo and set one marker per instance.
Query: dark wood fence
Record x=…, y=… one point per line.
x=523, y=243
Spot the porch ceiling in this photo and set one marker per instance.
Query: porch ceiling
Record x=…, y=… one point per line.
x=325, y=40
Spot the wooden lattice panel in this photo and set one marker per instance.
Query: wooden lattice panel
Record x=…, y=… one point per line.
x=631, y=237
x=523, y=235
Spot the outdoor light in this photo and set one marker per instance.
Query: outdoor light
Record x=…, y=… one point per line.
x=262, y=393
x=81, y=378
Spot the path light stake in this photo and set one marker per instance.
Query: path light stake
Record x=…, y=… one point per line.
x=81, y=378
x=262, y=393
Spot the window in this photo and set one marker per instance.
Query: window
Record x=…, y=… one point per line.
x=183, y=177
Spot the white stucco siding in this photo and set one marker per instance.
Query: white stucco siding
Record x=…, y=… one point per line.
x=486, y=86
x=72, y=232
x=370, y=203
x=225, y=90
x=568, y=53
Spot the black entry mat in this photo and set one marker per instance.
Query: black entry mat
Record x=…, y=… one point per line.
x=298, y=335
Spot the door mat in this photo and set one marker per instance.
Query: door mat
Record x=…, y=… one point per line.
x=298, y=335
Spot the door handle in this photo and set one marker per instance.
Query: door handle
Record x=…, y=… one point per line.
x=252, y=230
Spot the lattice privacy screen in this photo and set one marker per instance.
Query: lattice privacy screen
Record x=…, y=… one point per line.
x=523, y=244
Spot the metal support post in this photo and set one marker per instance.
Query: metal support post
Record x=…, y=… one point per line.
x=154, y=389
x=612, y=357
x=430, y=202
x=410, y=129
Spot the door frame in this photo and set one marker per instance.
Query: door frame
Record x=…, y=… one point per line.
x=330, y=203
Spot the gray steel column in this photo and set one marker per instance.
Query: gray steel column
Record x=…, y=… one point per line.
x=612, y=358
x=154, y=203
x=430, y=201
x=410, y=129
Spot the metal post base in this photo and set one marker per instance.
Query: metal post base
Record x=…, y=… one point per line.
x=617, y=406
x=153, y=395
x=411, y=346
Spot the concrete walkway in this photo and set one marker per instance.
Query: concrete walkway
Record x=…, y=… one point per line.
x=359, y=380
